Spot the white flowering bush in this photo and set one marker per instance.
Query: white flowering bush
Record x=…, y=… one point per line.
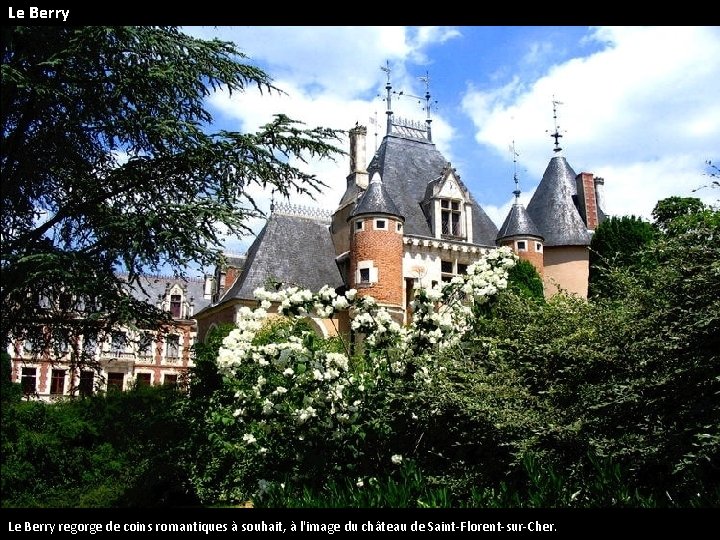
x=293, y=405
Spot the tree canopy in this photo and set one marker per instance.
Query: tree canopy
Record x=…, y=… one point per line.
x=110, y=164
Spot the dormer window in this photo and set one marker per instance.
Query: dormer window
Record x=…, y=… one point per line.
x=175, y=305
x=451, y=217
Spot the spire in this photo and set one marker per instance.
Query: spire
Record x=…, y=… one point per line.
x=517, y=222
x=376, y=200
x=556, y=134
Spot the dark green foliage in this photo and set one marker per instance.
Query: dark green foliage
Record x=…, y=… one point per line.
x=616, y=243
x=109, y=164
x=524, y=278
x=9, y=391
x=671, y=212
x=114, y=450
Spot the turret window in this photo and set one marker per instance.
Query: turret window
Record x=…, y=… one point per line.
x=380, y=225
x=538, y=246
x=366, y=273
x=359, y=225
x=521, y=245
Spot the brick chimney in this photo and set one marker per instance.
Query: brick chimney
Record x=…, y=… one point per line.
x=586, y=200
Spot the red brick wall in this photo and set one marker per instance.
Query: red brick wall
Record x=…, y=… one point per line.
x=535, y=257
x=226, y=314
x=385, y=249
x=586, y=182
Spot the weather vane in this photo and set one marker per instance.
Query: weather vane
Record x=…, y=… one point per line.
x=515, y=177
x=428, y=104
x=556, y=135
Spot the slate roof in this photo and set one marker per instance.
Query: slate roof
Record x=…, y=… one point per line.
x=156, y=286
x=553, y=210
x=518, y=223
x=406, y=167
x=293, y=248
x=376, y=200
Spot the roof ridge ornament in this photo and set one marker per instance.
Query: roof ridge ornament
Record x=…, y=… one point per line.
x=299, y=210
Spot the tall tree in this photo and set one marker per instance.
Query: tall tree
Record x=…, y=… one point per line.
x=110, y=164
x=617, y=243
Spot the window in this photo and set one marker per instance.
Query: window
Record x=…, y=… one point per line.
x=115, y=381
x=359, y=225
x=380, y=225
x=521, y=245
x=450, y=269
x=89, y=345
x=170, y=379
x=172, y=346
x=29, y=380
x=145, y=345
x=57, y=382
x=364, y=275
x=65, y=301
x=119, y=342
x=398, y=227
x=87, y=383
x=446, y=268
x=175, y=305
x=144, y=379
x=538, y=246
x=450, y=214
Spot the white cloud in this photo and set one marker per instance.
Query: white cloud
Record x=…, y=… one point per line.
x=331, y=75
x=643, y=113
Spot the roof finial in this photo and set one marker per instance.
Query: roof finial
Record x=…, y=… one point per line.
x=556, y=135
x=388, y=88
x=515, y=177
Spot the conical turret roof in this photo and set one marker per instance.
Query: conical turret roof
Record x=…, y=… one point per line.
x=552, y=207
x=376, y=200
x=518, y=223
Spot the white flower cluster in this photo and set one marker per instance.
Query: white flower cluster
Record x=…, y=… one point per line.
x=302, y=302
x=288, y=383
x=441, y=314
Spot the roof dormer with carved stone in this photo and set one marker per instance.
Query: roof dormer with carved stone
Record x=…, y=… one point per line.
x=448, y=207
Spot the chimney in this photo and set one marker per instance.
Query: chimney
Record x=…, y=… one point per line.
x=358, y=173
x=600, y=198
x=208, y=287
x=587, y=204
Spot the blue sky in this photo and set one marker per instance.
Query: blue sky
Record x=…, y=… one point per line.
x=639, y=105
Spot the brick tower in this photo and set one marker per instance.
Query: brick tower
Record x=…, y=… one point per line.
x=376, y=248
